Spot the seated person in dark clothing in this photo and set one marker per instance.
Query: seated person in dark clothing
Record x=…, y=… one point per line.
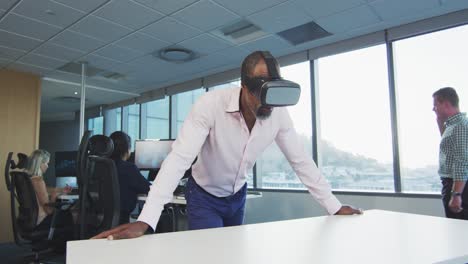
x=131, y=181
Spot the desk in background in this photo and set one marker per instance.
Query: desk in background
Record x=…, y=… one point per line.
x=375, y=237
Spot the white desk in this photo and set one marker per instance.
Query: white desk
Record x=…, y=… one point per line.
x=375, y=237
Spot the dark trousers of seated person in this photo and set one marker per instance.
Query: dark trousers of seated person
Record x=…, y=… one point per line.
x=447, y=184
x=63, y=228
x=205, y=210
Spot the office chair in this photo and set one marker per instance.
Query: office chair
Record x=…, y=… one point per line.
x=100, y=192
x=23, y=197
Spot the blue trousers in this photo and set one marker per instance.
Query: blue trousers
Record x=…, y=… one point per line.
x=205, y=210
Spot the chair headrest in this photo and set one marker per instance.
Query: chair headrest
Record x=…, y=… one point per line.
x=101, y=146
x=22, y=161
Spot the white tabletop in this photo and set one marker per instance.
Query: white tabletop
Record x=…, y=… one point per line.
x=375, y=237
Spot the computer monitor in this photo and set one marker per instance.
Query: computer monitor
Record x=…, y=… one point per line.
x=149, y=154
x=65, y=163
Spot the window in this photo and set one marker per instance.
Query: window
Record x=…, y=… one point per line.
x=131, y=122
x=155, y=119
x=355, y=144
x=424, y=64
x=96, y=125
x=273, y=170
x=181, y=106
x=112, y=120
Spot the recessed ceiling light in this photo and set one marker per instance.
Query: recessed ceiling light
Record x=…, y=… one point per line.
x=76, y=92
x=50, y=12
x=176, y=54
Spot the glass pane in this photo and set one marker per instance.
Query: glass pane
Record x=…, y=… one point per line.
x=356, y=143
x=423, y=65
x=181, y=106
x=113, y=120
x=273, y=170
x=132, y=128
x=157, y=119
x=96, y=125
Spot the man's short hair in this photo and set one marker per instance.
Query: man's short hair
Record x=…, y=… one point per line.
x=447, y=94
x=249, y=63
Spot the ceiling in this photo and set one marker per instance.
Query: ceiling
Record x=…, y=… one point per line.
x=120, y=37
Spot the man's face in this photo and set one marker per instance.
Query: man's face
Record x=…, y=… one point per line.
x=440, y=108
x=261, y=112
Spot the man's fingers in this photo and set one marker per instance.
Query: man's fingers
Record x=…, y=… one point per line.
x=110, y=232
x=357, y=211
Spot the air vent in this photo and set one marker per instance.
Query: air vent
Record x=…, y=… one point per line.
x=239, y=32
x=175, y=54
x=304, y=33
x=75, y=68
x=68, y=99
x=113, y=76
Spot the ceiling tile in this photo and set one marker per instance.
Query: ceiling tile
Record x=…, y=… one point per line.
x=129, y=14
x=454, y=4
x=166, y=6
x=100, y=29
x=62, y=16
x=247, y=7
x=10, y=53
x=142, y=42
x=77, y=41
x=29, y=68
x=83, y=5
x=41, y=61
x=279, y=18
x=5, y=4
x=235, y=54
x=349, y=20
x=205, y=44
x=205, y=15
x=270, y=43
x=118, y=53
x=15, y=41
x=2, y=12
x=58, y=52
x=400, y=8
x=318, y=8
x=171, y=30
x=99, y=61
x=4, y=62
x=27, y=27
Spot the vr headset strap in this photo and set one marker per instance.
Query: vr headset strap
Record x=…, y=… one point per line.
x=271, y=65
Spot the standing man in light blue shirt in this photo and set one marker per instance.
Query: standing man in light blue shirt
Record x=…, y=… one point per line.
x=453, y=153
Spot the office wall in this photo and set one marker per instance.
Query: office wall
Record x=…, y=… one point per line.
x=58, y=136
x=20, y=95
x=276, y=206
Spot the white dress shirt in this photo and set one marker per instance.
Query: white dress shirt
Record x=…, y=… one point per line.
x=216, y=132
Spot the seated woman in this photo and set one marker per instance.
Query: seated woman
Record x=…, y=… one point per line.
x=131, y=181
x=38, y=163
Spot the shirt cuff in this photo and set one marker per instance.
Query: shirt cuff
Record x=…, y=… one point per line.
x=150, y=216
x=332, y=205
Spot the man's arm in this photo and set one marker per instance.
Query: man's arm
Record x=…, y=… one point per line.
x=184, y=150
x=293, y=149
x=459, y=166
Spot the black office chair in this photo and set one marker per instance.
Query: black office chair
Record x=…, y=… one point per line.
x=23, y=197
x=100, y=193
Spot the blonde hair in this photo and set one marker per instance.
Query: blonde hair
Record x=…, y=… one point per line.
x=35, y=160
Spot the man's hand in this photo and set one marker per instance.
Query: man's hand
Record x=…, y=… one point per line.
x=132, y=230
x=348, y=210
x=455, y=204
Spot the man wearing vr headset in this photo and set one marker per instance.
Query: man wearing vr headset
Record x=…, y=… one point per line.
x=227, y=130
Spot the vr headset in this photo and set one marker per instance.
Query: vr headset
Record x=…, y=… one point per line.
x=273, y=91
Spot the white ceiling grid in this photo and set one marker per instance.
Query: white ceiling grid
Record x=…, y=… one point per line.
x=120, y=36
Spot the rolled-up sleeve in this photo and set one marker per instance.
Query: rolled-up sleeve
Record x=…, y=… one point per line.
x=184, y=150
x=291, y=146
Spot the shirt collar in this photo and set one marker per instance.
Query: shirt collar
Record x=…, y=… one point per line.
x=455, y=119
x=233, y=104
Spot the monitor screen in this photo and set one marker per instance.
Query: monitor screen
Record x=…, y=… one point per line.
x=149, y=154
x=65, y=163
